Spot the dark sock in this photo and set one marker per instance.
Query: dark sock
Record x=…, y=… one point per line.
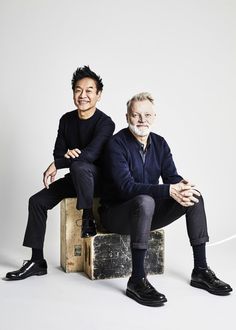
x=37, y=254
x=138, y=264
x=199, y=255
x=88, y=214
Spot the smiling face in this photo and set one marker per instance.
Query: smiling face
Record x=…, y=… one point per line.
x=140, y=118
x=86, y=96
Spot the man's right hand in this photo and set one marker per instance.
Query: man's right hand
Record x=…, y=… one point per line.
x=184, y=193
x=50, y=173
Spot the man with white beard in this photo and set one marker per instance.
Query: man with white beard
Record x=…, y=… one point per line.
x=134, y=202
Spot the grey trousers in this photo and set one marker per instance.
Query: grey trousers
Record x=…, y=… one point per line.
x=82, y=182
x=141, y=214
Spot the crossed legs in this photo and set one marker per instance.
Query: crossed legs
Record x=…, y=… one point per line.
x=137, y=217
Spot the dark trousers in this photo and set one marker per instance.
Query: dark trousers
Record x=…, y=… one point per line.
x=141, y=214
x=82, y=182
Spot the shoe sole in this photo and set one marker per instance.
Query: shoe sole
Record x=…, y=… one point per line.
x=144, y=302
x=205, y=287
x=43, y=272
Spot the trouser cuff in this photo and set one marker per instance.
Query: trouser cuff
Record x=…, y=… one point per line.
x=199, y=241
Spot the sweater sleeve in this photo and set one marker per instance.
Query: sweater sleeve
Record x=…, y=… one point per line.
x=102, y=133
x=61, y=147
x=168, y=170
x=120, y=174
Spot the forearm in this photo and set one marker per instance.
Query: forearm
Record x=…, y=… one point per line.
x=62, y=163
x=131, y=189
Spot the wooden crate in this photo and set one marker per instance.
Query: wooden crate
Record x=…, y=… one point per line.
x=109, y=255
x=72, y=245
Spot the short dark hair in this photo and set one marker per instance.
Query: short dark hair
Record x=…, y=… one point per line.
x=85, y=72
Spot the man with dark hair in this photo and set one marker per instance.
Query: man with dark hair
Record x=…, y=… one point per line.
x=81, y=137
x=134, y=203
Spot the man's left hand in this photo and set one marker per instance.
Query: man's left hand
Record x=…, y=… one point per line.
x=73, y=153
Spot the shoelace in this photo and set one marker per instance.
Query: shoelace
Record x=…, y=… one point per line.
x=148, y=287
x=212, y=276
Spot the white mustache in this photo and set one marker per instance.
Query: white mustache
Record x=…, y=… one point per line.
x=139, y=132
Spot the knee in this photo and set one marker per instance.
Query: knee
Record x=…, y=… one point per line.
x=199, y=204
x=33, y=200
x=200, y=198
x=79, y=167
x=36, y=200
x=145, y=203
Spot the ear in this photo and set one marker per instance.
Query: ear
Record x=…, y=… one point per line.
x=127, y=118
x=99, y=94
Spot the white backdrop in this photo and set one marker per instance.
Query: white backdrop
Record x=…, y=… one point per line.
x=183, y=52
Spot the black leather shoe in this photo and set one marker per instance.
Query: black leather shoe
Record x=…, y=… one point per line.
x=144, y=293
x=205, y=278
x=29, y=268
x=88, y=228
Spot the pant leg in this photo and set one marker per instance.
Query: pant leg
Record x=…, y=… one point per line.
x=86, y=179
x=133, y=217
x=169, y=210
x=39, y=204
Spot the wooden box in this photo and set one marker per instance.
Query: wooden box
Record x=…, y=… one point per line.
x=72, y=245
x=109, y=255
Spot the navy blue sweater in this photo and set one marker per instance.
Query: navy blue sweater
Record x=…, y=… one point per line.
x=126, y=174
x=88, y=135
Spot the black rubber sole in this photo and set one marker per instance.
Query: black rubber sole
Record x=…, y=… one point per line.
x=40, y=273
x=206, y=288
x=145, y=302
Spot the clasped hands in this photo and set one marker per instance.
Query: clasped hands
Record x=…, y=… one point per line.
x=184, y=193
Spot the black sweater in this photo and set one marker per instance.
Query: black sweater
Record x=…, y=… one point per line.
x=126, y=174
x=88, y=135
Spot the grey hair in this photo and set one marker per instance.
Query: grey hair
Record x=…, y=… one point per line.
x=144, y=96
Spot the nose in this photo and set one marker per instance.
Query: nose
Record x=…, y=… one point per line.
x=141, y=118
x=83, y=94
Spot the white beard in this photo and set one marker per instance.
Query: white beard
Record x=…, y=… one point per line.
x=139, y=132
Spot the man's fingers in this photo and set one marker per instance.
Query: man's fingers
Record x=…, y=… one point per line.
x=191, y=195
x=70, y=154
x=196, y=192
x=73, y=153
x=45, y=179
x=186, y=187
x=76, y=152
x=193, y=199
x=52, y=178
x=187, y=204
x=185, y=199
x=186, y=193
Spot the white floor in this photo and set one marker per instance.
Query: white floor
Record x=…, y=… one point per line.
x=72, y=301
